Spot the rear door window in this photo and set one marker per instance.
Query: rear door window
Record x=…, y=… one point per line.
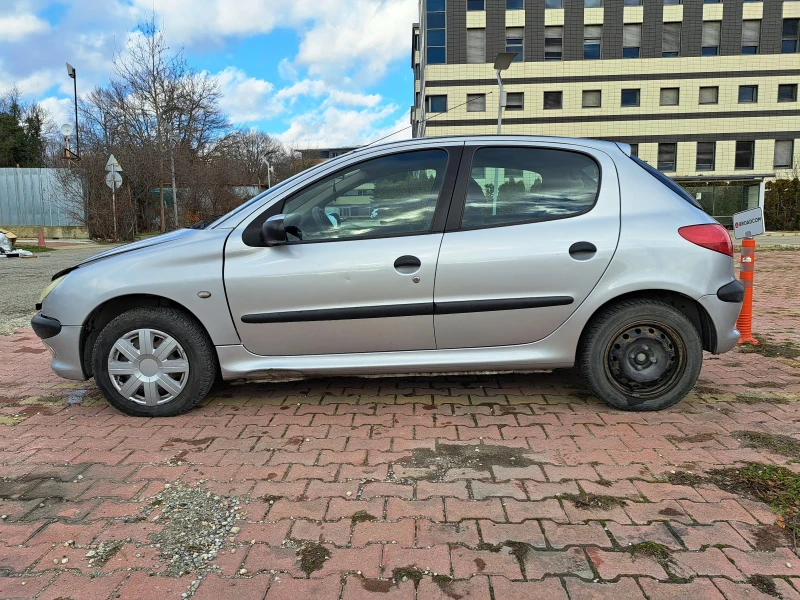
x=521, y=185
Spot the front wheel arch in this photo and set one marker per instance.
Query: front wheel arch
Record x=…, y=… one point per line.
x=106, y=312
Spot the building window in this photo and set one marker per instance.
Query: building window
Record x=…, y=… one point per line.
x=476, y=5
x=710, y=39
x=476, y=102
x=436, y=33
x=789, y=37
x=553, y=4
x=476, y=46
x=671, y=40
x=592, y=42
x=672, y=2
x=515, y=4
x=709, y=95
x=592, y=3
x=712, y=1
x=630, y=98
x=751, y=36
x=592, y=98
x=784, y=153
x=514, y=37
x=436, y=104
x=632, y=3
x=744, y=155
x=631, y=40
x=634, y=150
x=515, y=101
x=787, y=92
x=552, y=100
x=670, y=96
x=416, y=72
x=705, y=156
x=666, y=156
x=553, y=42
x=748, y=94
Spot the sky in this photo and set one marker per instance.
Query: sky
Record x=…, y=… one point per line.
x=313, y=73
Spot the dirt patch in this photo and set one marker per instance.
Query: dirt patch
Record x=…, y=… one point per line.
x=764, y=584
x=594, y=501
x=480, y=457
x=181, y=441
x=312, y=555
x=361, y=516
x=444, y=582
x=767, y=384
x=684, y=478
x=26, y=350
x=691, y=439
x=780, y=444
x=742, y=399
x=769, y=537
x=376, y=585
x=770, y=348
x=406, y=573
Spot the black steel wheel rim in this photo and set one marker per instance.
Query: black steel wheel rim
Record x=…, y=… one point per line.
x=645, y=359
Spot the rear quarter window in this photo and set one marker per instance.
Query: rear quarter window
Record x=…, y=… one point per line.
x=667, y=182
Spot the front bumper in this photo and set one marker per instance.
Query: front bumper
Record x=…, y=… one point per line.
x=64, y=342
x=723, y=317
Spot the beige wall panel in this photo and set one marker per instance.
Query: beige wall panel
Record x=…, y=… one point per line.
x=554, y=16
x=476, y=18
x=633, y=14
x=515, y=18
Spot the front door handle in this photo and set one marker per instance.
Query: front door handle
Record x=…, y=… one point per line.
x=407, y=264
x=582, y=250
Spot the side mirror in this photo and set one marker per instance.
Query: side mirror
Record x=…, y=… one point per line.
x=273, y=232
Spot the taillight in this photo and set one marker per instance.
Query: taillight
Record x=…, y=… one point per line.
x=710, y=235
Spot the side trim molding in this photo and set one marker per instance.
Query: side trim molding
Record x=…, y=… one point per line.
x=406, y=310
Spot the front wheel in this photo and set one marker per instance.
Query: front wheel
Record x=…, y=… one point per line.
x=154, y=362
x=641, y=355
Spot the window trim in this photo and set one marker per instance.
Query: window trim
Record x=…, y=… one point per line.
x=459, y=198
x=251, y=232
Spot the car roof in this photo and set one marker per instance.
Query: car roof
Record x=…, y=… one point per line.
x=433, y=141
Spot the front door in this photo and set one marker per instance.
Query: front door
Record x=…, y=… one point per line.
x=537, y=229
x=358, y=270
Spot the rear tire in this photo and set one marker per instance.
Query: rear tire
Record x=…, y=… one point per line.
x=641, y=355
x=154, y=362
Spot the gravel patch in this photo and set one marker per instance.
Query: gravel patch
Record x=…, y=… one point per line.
x=197, y=523
x=23, y=279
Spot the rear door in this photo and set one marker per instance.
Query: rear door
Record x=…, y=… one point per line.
x=531, y=230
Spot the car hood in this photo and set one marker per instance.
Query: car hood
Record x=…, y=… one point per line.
x=165, y=238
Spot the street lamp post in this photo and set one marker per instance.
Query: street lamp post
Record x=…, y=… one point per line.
x=269, y=175
x=173, y=139
x=501, y=63
x=73, y=75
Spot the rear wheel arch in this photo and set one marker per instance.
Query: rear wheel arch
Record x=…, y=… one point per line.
x=106, y=312
x=690, y=308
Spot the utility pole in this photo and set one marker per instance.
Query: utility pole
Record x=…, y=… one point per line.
x=173, y=141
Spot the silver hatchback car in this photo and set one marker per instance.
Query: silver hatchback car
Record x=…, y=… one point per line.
x=428, y=255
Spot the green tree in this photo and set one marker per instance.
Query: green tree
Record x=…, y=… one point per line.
x=22, y=132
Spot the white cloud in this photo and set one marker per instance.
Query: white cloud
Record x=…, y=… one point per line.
x=61, y=110
x=305, y=87
x=244, y=98
x=336, y=127
x=13, y=28
x=287, y=70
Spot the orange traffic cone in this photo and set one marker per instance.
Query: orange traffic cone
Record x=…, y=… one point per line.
x=746, y=270
x=41, y=238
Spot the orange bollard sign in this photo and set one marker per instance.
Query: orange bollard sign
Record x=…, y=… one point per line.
x=746, y=271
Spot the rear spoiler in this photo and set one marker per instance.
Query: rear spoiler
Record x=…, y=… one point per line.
x=626, y=148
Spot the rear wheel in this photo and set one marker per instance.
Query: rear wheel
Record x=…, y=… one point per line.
x=154, y=362
x=641, y=355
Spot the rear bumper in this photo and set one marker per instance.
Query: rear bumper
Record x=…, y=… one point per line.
x=724, y=314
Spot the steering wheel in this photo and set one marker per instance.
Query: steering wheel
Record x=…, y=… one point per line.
x=321, y=219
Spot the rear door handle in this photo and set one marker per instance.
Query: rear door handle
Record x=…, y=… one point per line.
x=582, y=250
x=407, y=264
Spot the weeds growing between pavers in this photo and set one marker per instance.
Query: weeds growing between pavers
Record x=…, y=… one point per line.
x=764, y=584
x=770, y=348
x=779, y=444
x=361, y=516
x=586, y=500
x=312, y=556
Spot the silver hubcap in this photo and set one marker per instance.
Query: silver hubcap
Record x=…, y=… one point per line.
x=148, y=367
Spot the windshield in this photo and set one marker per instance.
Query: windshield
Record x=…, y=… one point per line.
x=667, y=182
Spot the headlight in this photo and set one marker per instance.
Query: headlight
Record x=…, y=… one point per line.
x=51, y=286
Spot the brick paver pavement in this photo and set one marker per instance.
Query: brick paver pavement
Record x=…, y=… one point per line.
x=304, y=457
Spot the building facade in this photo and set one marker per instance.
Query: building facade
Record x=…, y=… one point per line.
x=703, y=90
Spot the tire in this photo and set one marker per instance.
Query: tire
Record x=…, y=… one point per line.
x=641, y=355
x=147, y=383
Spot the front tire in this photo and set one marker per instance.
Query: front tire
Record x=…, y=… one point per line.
x=154, y=362
x=641, y=355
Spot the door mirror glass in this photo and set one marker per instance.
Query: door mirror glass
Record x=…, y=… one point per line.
x=273, y=232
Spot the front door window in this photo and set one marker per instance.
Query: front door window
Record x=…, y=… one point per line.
x=388, y=196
